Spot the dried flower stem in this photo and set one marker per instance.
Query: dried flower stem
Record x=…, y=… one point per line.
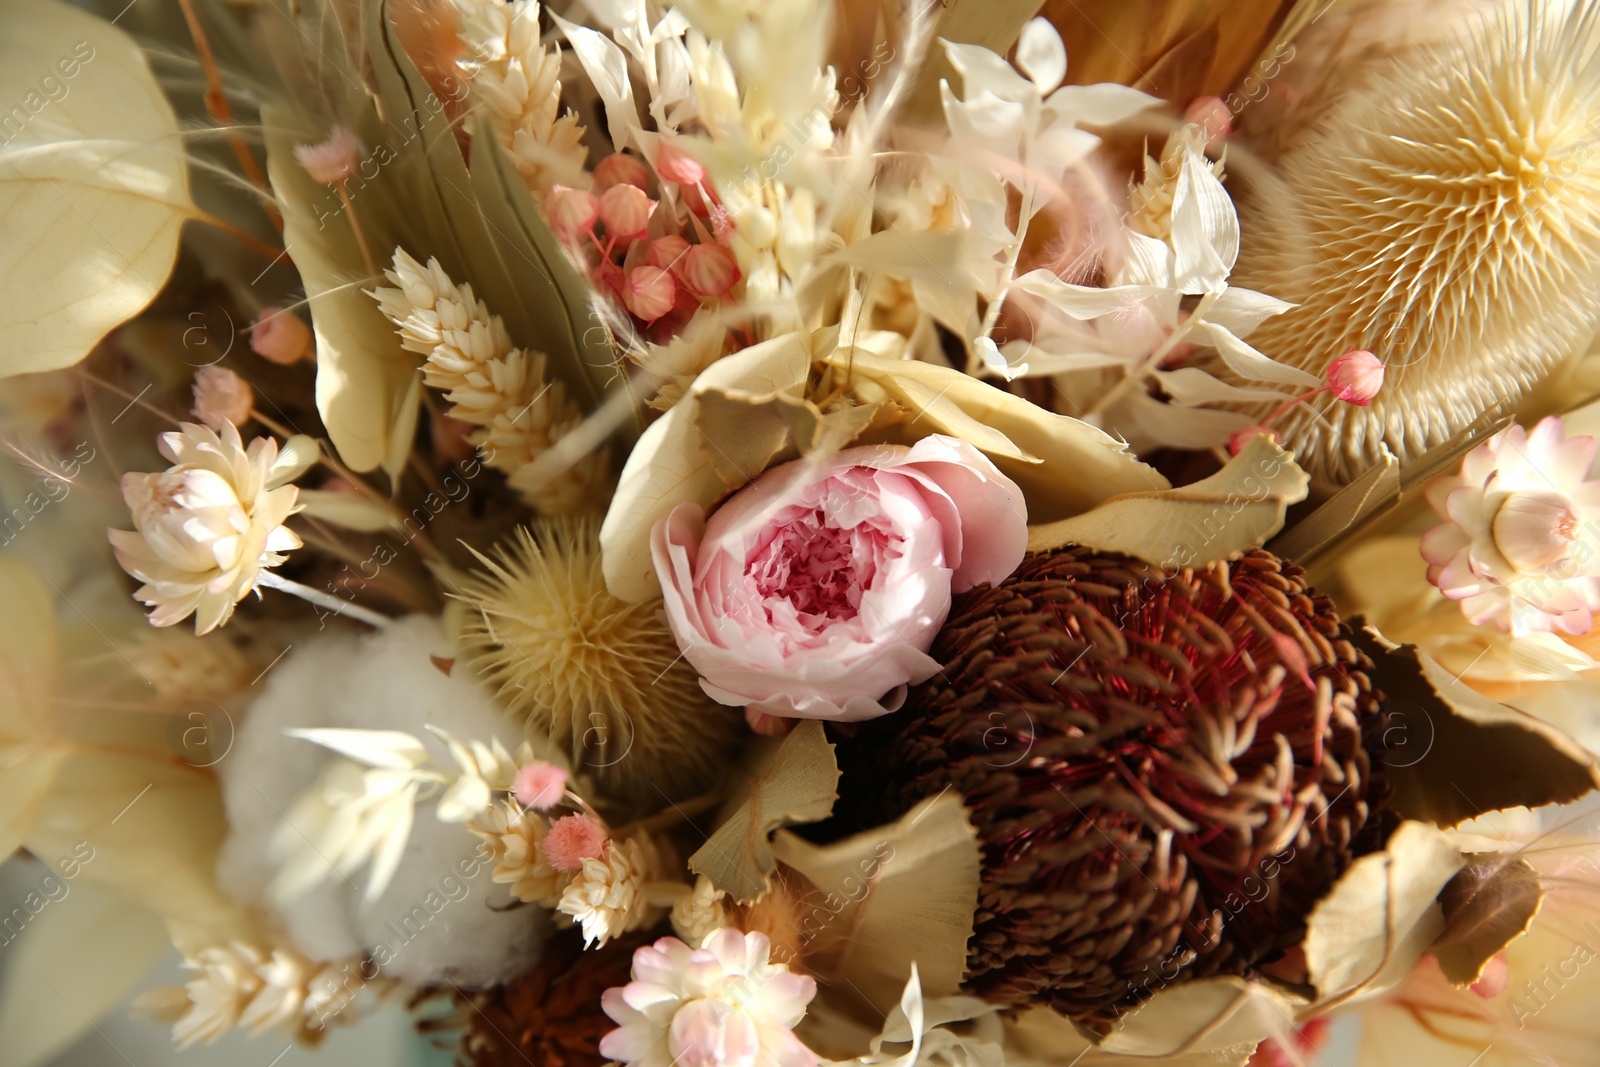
x=324, y=600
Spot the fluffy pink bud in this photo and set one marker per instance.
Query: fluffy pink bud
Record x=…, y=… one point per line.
x=539, y=785
x=650, y=292
x=709, y=270
x=676, y=165
x=573, y=839
x=281, y=336
x=221, y=397
x=571, y=211
x=1356, y=377
x=1239, y=438
x=333, y=160
x=626, y=211
x=619, y=168
x=666, y=252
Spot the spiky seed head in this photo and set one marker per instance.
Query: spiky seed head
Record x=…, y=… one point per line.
x=601, y=678
x=1446, y=218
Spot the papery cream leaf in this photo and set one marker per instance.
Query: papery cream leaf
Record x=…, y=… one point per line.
x=295, y=456
x=1205, y=228
x=894, y=897
x=1492, y=901
x=1191, y=385
x=1204, y=1016
x=607, y=68
x=1368, y=496
x=1382, y=913
x=992, y=24
x=391, y=749
x=29, y=654
x=1216, y=518
x=346, y=509
x=1041, y=54
x=795, y=781
x=1083, y=301
x=1099, y=105
x=94, y=185
x=1063, y=465
x=1039, y=1037
x=741, y=432
x=1242, y=310
x=80, y=958
x=1456, y=753
x=671, y=464
x=1247, y=362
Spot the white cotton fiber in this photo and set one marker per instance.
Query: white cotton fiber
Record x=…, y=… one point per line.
x=433, y=922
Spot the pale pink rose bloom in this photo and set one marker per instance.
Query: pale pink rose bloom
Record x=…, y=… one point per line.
x=722, y=1005
x=816, y=593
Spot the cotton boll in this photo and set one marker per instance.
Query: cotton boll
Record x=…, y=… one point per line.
x=433, y=922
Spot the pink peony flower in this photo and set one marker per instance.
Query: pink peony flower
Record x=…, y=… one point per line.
x=539, y=785
x=816, y=593
x=722, y=1005
x=1520, y=544
x=573, y=839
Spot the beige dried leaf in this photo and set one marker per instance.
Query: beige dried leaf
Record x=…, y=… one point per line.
x=1491, y=902
x=892, y=896
x=1381, y=915
x=672, y=462
x=1464, y=753
x=797, y=783
x=94, y=184
x=1207, y=1017
x=1041, y=1038
x=1216, y=518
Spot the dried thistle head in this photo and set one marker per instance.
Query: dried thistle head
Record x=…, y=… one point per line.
x=601, y=678
x=1446, y=218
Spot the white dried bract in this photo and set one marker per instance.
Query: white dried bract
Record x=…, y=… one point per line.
x=611, y=895
x=513, y=838
x=247, y=987
x=496, y=387
x=206, y=527
x=515, y=81
x=700, y=913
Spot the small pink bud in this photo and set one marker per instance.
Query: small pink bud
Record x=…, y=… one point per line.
x=650, y=292
x=221, y=396
x=1495, y=978
x=333, y=160
x=626, y=211
x=539, y=785
x=573, y=839
x=1211, y=115
x=709, y=270
x=1240, y=438
x=676, y=165
x=666, y=252
x=619, y=168
x=571, y=211
x=698, y=201
x=281, y=336
x=1356, y=377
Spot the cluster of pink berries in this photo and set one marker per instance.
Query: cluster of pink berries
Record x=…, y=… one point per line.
x=659, y=275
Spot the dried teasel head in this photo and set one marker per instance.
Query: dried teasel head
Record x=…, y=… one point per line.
x=601, y=678
x=1447, y=218
x=1166, y=769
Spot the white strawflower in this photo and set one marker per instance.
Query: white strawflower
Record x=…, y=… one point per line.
x=699, y=914
x=205, y=528
x=513, y=838
x=608, y=896
x=722, y=1004
x=1520, y=544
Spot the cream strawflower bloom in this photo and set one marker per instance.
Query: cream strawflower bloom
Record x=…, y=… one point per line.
x=722, y=1004
x=513, y=838
x=610, y=895
x=206, y=527
x=1520, y=544
x=699, y=914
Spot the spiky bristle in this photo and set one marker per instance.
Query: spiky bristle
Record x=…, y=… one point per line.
x=601, y=678
x=1448, y=219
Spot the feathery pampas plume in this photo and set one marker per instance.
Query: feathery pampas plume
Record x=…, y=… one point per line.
x=1448, y=219
x=601, y=678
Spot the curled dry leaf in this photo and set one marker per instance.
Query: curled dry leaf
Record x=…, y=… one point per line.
x=1464, y=754
x=794, y=781
x=1210, y=1017
x=94, y=185
x=675, y=461
x=1216, y=518
x=1383, y=913
x=1039, y=1037
x=892, y=897
x=1489, y=903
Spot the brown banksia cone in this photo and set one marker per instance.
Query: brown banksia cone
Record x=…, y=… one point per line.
x=1166, y=769
x=551, y=1016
